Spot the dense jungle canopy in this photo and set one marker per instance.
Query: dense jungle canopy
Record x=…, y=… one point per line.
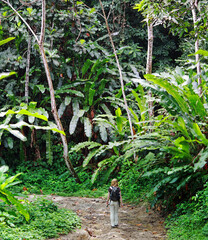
x=107, y=88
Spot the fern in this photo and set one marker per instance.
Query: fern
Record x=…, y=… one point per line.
x=70, y=91
x=61, y=109
x=141, y=104
x=87, y=127
x=73, y=124
x=172, y=90
x=202, y=160
x=91, y=155
x=86, y=66
x=95, y=175
x=103, y=132
x=88, y=144
x=108, y=112
x=115, y=101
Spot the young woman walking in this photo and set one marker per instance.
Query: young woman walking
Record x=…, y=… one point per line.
x=115, y=200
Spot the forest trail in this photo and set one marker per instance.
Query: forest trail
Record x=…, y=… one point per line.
x=135, y=222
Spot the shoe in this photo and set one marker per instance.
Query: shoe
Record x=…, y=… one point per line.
x=113, y=226
x=116, y=225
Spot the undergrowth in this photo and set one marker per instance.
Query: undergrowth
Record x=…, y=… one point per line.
x=46, y=221
x=44, y=181
x=190, y=219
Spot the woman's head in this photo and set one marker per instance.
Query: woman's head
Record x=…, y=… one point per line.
x=114, y=183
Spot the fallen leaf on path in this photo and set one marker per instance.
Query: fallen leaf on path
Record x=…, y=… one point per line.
x=145, y=230
x=139, y=224
x=154, y=232
x=90, y=232
x=159, y=209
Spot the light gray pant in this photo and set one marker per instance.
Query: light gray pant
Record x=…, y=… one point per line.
x=114, y=213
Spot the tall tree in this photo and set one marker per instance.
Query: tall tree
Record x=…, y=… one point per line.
x=119, y=68
x=40, y=42
x=177, y=16
x=194, y=7
x=148, y=11
x=27, y=74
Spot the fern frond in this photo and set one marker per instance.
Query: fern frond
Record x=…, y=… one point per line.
x=73, y=124
x=87, y=127
x=103, y=132
x=108, y=113
x=172, y=90
x=88, y=144
x=95, y=175
x=90, y=156
x=61, y=109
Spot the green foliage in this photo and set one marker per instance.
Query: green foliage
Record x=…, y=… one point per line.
x=46, y=221
x=190, y=218
x=11, y=127
x=6, y=40
x=6, y=195
x=59, y=183
x=49, y=153
x=134, y=186
x=184, y=154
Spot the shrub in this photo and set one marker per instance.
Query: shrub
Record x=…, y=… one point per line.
x=190, y=218
x=46, y=221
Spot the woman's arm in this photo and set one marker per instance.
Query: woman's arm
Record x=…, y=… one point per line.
x=121, y=201
x=108, y=198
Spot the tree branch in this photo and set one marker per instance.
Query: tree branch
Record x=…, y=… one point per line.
x=8, y=3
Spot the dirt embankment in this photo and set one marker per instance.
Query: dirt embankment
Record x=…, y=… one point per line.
x=135, y=222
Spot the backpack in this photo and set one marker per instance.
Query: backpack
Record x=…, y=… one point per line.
x=114, y=194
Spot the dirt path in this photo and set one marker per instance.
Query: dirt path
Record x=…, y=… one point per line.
x=135, y=222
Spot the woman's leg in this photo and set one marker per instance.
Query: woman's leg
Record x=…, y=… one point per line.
x=116, y=207
x=112, y=213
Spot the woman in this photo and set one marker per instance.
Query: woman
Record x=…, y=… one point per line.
x=114, y=195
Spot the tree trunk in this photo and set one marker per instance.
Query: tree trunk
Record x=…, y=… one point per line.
x=194, y=4
x=27, y=76
x=119, y=69
x=149, y=61
x=50, y=83
x=55, y=115
x=53, y=101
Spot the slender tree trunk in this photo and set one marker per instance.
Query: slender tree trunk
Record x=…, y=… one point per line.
x=119, y=68
x=149, y=61
x=55, y=115
x=53, y=101
x=27, y=75
x=50, y=83
x=194, y=4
